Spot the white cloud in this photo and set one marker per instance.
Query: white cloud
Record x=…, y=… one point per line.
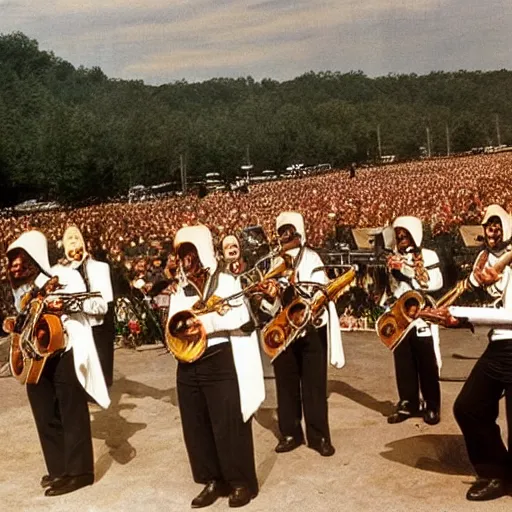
x=163, y=40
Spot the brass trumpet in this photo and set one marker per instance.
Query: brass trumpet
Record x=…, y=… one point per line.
x=185, y=336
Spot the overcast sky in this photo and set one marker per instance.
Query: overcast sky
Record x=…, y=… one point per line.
x=161, y=41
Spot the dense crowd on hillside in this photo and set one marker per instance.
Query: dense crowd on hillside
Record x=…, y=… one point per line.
x=443, y=192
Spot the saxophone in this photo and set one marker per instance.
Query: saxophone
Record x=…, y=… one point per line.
x=287, y=325
x=393, y=326
x=35, y=335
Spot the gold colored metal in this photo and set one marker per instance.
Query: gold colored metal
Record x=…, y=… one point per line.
x=393, y=326
x=185, y=336
x=294, y=318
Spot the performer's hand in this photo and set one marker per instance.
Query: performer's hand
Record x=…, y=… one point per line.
x=8, y=324
x=147, y=287
x=222, y=308
x=51, y=285
x=55, y=306
x=394, y=262
x=294, y=243
x=269, y=289
x=486, y=276
x=440, y=316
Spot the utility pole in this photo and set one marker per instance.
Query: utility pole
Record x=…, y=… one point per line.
x=378, y=142
x=428, y=142
x=183, y=173
x=447, y=140
x=498, y=136
x=247, y=155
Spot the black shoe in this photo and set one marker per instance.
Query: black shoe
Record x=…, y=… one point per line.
x=287, y=444
x=209, y=494
x=485, y=489
x=240, y=496
x=69, y=484
x=324, y=448
x=431, y=417
x=48, y=481
x=403, y=412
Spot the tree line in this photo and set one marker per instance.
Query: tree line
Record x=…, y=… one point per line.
x=70, y=133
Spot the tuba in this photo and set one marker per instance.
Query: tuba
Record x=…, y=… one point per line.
x=185, y=336
x=294, y=318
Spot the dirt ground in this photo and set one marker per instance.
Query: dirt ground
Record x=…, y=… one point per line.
x=141, y=463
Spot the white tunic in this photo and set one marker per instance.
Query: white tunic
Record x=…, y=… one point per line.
x=78, y=333
x=225, y=329
x=307, y=271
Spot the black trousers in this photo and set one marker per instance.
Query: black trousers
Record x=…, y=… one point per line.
x=104, y=336
x=59, y=406
x=416, y=370
x=476, y=411
x=301, y=384
x=219, y=443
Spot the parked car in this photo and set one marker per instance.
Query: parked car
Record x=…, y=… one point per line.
x=33, y=205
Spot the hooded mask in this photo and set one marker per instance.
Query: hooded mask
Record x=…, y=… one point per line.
x=34, y=243
x=296, y=220
x=201, y=238
x=73, y=242
x=495, y=210
x=412, y=225
x=230, y=240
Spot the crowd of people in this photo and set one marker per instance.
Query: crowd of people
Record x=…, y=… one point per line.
x=215, y=335
x=444, y=193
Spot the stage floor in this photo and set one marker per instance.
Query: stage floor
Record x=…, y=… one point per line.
x=141, y=463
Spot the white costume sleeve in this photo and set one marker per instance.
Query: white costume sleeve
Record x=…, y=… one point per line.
x=95, y=306
x=483, y=316
x=494, y=290
x=235, y=317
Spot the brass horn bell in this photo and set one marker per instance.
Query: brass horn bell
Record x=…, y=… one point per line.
x=393, y=325
x=185, y=335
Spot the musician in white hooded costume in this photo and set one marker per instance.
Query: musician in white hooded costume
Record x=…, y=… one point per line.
x=58, y=400
x=417, y=357
x=96, y=276
x=219, y=392
x=476, y=408
x=301, y=369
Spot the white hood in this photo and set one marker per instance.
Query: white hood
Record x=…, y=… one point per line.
x=73, y=238
x=411, y=224
x=296, y=220
x=201, y=237
x=35, y=245
x=495, y=210
x=230, y=239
